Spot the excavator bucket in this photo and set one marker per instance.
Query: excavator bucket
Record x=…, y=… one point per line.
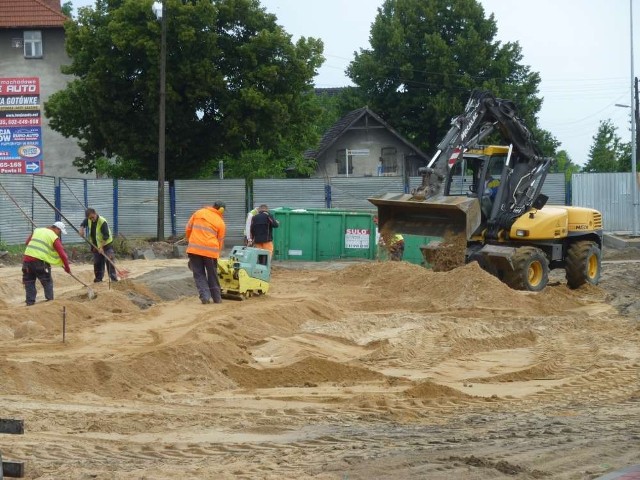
x=434, y=216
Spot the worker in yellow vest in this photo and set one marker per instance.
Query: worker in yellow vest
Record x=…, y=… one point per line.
x=396, y=247
x=43, y=249
x=101, y=241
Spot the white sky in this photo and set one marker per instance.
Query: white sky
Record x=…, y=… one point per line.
x=581, y=48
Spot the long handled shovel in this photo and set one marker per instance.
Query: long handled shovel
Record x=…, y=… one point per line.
x=90, y=293
x=121, y=273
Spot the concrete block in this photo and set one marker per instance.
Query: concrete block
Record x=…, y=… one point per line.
x=144, y=254
x=620, y=242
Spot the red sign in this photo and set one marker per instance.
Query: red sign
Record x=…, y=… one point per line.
x=34, y=167
x=20, y=86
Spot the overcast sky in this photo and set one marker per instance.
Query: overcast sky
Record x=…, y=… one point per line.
x=581, y=48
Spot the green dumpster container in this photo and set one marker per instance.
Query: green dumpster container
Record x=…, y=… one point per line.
x=317, y=235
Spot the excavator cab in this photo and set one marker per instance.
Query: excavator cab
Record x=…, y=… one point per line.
x=464, y=206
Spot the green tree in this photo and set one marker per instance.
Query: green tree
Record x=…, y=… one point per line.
x=427, y=57
x=564, y=164
x=624, y=160
x=235, y=82
x=67, y=9
x=607, y=151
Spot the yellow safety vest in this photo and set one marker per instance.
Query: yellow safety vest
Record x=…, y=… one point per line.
x=41, y=246
x=100, y=240
x=397, y=238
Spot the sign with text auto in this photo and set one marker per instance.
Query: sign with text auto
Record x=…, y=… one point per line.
x=20, y=126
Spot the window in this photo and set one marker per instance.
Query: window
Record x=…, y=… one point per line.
x=389, y=160
x=32, y=44
x=342, y=162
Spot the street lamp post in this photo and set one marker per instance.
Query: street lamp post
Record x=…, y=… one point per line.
x=634, y=126
x=159, y=11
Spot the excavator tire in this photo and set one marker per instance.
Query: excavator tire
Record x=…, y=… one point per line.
x=530, y=270
x=583, y=264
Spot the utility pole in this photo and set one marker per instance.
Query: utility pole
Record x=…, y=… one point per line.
x=162, y=117
x=634, y=127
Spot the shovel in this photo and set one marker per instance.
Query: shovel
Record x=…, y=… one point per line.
x=90, y=293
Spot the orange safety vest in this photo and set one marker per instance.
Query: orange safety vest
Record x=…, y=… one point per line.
x=205, y=232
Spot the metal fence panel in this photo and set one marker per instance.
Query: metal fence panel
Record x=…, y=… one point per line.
x=72, y=204
x=14, y=226
x=555, y=187
x=194, y=194
x=43, y=214
x=138, y=208
x=294, y=192
x=352, y=193
x=610, y=193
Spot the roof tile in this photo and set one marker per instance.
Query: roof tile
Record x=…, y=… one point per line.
x=31, y=13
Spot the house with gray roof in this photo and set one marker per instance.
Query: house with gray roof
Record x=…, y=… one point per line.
x=362, y=144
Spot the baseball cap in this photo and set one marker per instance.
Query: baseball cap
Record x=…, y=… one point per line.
x=61, y=226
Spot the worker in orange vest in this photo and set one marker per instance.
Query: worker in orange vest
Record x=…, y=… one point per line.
x=205, y=233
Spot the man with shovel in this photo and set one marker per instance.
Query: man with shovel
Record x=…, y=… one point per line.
x=44, y=249
x=101, y=241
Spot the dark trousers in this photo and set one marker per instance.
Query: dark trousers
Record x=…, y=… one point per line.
x=37, y=270
x=205, y=274
x=99, y=263
x=396, y=252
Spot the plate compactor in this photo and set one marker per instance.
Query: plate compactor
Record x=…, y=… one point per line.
x=245, y=273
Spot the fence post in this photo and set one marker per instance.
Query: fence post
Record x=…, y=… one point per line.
x=172, y=207
x=115, y=206
x=327, y=195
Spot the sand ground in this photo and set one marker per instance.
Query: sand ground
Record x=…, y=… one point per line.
x=365, y=370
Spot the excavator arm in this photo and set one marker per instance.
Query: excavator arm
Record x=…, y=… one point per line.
x=483, y=114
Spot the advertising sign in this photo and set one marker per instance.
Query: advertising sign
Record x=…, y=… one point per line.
x=20, y=126
x=34, y=167
x=357, y=238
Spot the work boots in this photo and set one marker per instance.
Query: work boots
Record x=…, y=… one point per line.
x=216, y=295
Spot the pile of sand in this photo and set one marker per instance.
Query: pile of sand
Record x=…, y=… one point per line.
x=400, y=284
x=127, y=342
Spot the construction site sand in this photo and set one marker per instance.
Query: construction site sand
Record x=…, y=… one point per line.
x=343, y=370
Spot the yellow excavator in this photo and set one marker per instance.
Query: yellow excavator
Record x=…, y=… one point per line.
x=490, y=195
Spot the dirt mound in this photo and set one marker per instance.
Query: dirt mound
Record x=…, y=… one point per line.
x=469, y=287
x=306, y=373
x=427, y=390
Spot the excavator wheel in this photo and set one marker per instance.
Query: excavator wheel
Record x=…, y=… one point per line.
x=582, y=264
x=530, y=270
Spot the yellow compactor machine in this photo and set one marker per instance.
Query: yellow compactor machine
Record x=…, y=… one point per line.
x=245, y=273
